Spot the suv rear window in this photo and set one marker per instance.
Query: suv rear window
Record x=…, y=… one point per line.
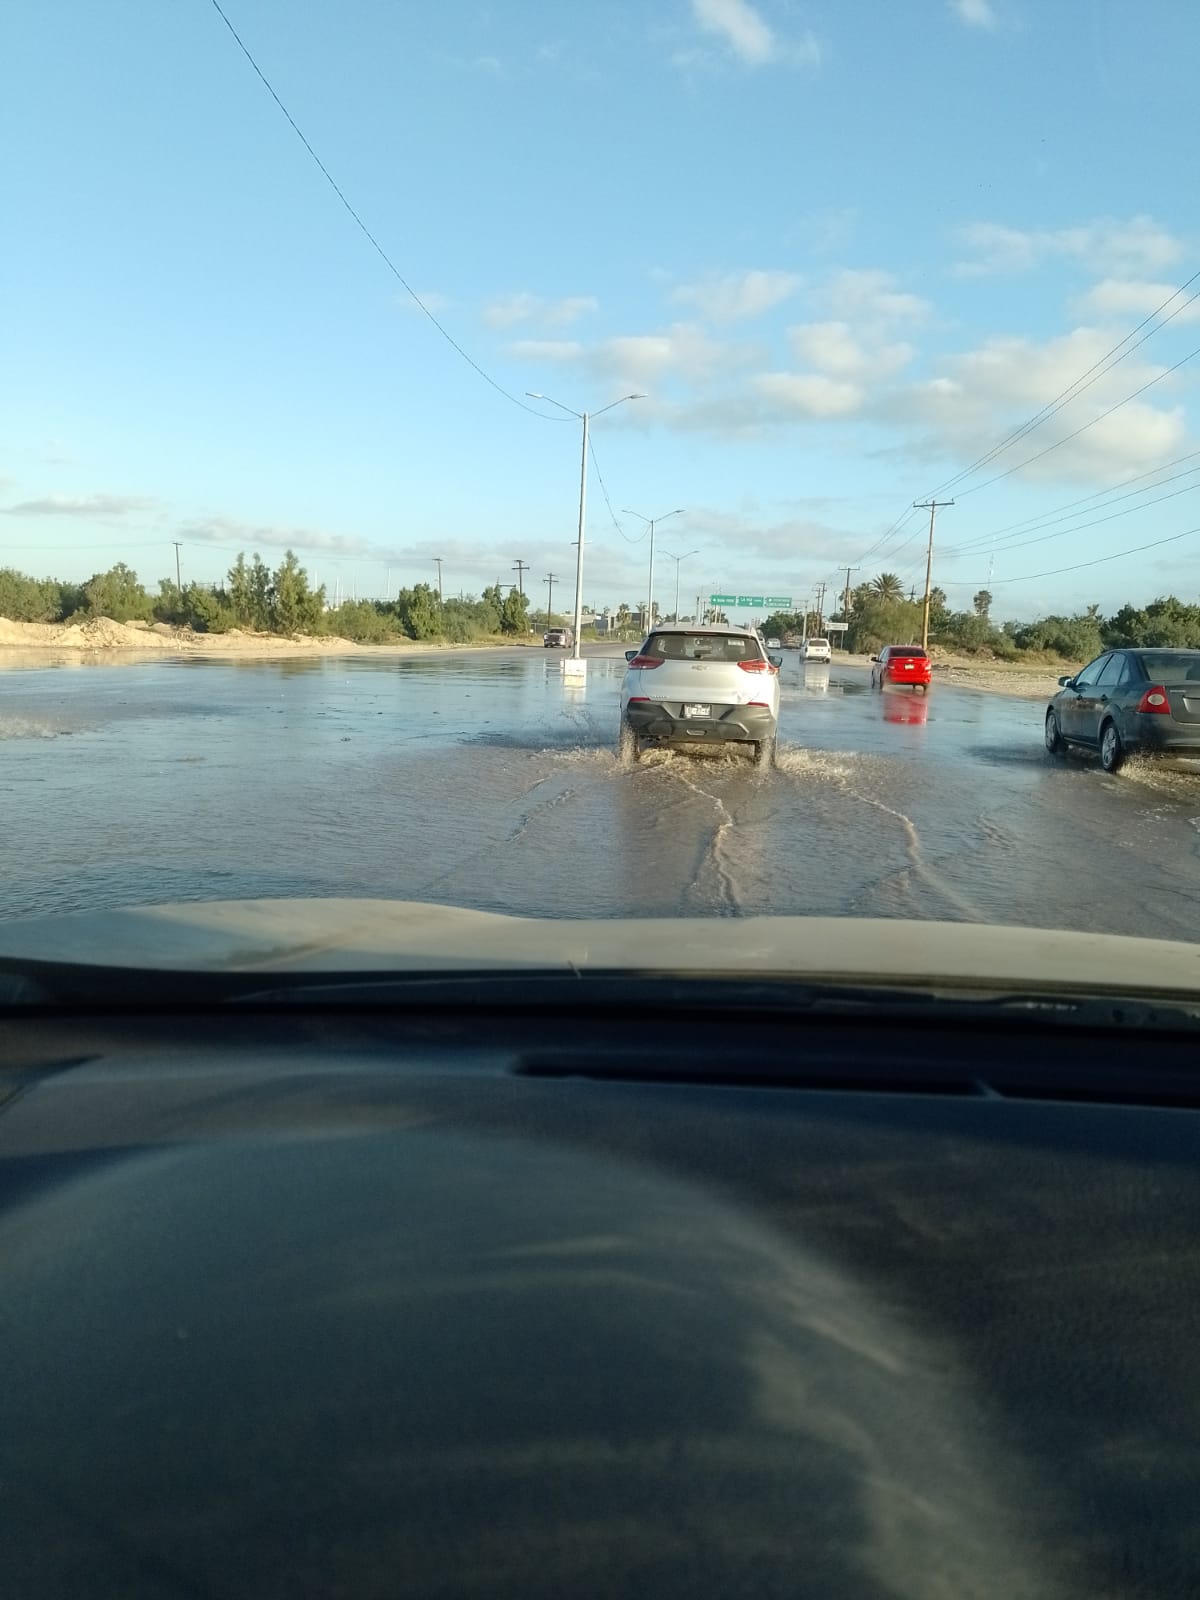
x=703, y=647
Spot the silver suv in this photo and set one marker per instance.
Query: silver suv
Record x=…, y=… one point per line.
x=701, y=685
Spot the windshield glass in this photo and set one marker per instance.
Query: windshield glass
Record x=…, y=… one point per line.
x=377, y=381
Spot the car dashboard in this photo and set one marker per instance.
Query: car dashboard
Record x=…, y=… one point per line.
x=437, y=1290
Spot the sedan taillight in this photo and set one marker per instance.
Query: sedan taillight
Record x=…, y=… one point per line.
x=1155, y=701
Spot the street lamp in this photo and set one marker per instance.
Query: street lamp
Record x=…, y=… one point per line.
x=584, y=417
x=677, y=560
x=678, y=512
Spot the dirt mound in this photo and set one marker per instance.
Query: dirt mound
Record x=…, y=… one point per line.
x=97, y=633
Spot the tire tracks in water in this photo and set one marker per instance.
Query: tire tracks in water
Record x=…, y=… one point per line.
x=837, y=772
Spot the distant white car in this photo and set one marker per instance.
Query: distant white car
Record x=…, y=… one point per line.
x=816, y=650
x=774, y=644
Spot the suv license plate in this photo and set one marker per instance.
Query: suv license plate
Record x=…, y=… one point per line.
x=697, y=711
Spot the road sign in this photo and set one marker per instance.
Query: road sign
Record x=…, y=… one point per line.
x=836, y=627
x=722, y=599
x=783, y=601
x=749, y=600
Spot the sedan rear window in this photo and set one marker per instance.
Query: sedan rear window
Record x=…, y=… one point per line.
x=916, y=654
x=1172, y=666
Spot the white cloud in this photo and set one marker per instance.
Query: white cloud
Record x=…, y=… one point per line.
x=981, y=395
x=734, y=296
x=85, y=505
x=1138, y=245
x=1124, y=298
x=832, y=348
x=684, y=352
x=975, y=13
x=274, y=536
x=809, y=394
x=744, y=31
x=871, y=296
x=739, y=25
x=546, y=349
x=521, y=308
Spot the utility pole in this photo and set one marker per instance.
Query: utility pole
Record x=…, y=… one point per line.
x=437, y=561
x=932, y=507
x=178, y=579
x=821, y=587
x=846, y=595
x=521, y=568
x=550, y=577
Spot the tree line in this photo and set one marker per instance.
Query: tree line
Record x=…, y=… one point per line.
x=257, y=599
x=880, y=614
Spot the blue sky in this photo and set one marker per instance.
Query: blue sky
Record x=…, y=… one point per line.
x=843, y=250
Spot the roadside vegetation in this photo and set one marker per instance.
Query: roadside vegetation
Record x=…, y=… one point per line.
x=880, y=614
x=256, y=599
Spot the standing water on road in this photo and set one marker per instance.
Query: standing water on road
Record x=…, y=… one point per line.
x=482, y=779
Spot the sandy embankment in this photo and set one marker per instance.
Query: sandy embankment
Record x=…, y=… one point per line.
x=158, y=638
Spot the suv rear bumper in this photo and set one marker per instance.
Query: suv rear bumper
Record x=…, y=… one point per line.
x=742, y=724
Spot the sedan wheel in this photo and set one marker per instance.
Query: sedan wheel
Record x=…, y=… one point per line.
x=1055, y=743
x=1112, y=751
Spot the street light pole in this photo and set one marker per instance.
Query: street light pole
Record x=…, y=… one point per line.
x=579, y=546
x=677, y=560
x=584, y=417
x=437, y=561
x=628, y=512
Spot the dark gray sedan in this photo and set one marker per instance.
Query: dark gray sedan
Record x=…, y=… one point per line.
x=1128, y=701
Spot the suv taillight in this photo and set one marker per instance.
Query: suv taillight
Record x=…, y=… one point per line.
x=756, y=666
x=1155, y=701
x=646, y=663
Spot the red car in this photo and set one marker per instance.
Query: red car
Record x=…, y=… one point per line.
x=901, y=663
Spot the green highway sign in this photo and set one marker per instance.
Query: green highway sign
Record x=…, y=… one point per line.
x=782, y=601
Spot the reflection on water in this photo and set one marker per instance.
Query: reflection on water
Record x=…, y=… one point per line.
x=905, y=705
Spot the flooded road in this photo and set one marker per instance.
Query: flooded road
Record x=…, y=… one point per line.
x=481, y=779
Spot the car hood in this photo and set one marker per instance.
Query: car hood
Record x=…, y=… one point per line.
x=340, y=936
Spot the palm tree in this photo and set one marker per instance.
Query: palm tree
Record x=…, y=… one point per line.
x=888, y=586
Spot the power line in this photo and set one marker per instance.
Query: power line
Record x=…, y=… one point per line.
x=1099, y=561
x=600, y=480
x=1045, y=538
x=1044, y=519
x=1084, y=381
x=370, y=237
x=1066, y=439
